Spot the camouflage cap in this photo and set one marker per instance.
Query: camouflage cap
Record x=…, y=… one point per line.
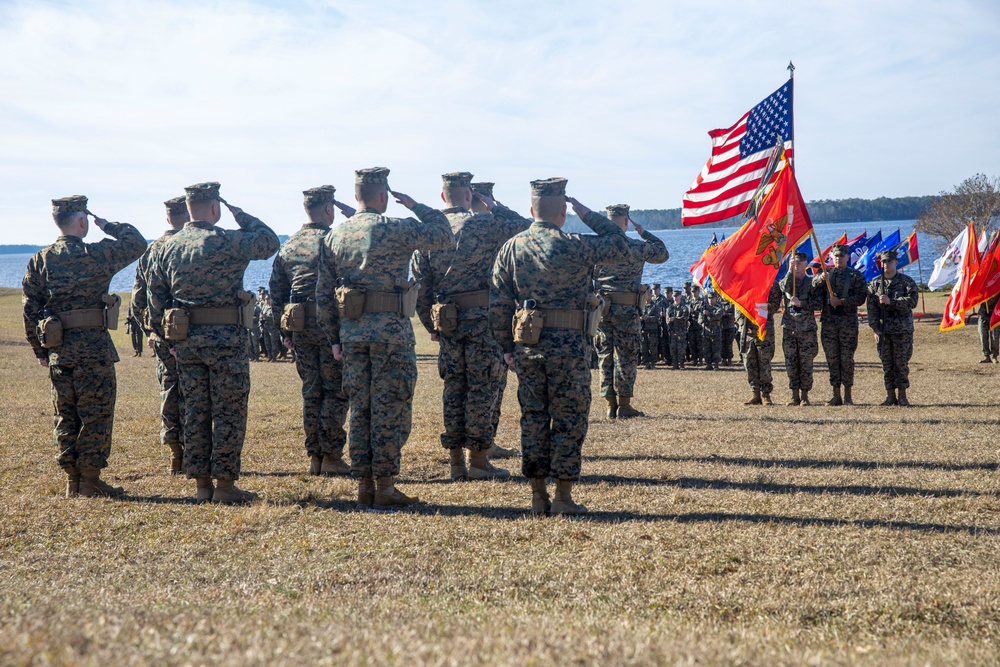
x=654, y=286
x=202, y=191
x=668, y=289
x=840, y=249
x=549, y=187
x=618, y=209
x=888, y=255
x=176, y=206
x=799, y=256
x=321, y=195
x=66, y=205
x=457, y=179
x=711, y=295
x=484, y=188
x=687, y=283
x=374, y=175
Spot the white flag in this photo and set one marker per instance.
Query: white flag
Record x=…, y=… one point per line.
x=947, y=265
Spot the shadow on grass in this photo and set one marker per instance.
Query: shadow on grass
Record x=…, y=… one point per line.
x=803, y=463
x=760, y=414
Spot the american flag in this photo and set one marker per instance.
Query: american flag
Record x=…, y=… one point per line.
x=739, y=159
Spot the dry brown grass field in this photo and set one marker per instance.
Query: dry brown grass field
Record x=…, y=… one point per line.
x=718, y=533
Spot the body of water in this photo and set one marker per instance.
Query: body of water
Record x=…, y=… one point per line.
x=685, y=246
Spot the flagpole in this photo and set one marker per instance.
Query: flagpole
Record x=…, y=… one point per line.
x=920, y=274
x=822, y=261
x=791, y=113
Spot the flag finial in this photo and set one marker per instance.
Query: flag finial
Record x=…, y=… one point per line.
x=791, y=70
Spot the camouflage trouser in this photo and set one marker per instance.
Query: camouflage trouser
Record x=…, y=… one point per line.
x=693, y=343
x=467, y=362
x=84, y=401
x=990, y=340
x=840, y=341
x=711, y=346
x=728, y=337
x=617, y=344
x=895, y=351
x=324, y=405
x=379, y=379
x=554, y=393
x=254, y=342
x=170, y=395
x=137, y=340
x=272, y=341
x=664, y=350
x=649, y=345
x=501, y=386
x=800, y=350
x=678, y=346
x=757, y=361
x=215, y=384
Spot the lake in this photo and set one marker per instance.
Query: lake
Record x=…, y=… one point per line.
x=685, y=246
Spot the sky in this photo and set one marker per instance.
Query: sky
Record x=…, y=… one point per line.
x=127, y=102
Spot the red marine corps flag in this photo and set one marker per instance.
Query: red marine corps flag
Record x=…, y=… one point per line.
x=744, y=266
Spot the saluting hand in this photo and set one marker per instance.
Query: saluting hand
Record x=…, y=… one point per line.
x=578, y=208
x=344, y=208
x=488, y=201
x=406, y=200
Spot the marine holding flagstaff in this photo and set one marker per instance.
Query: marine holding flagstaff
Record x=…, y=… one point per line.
x=799, y=298
x=67, y=313
x=617, y=339
x=846, y=291
x=891, y=300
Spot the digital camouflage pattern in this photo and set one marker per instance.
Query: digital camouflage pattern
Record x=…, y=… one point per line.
x=894, y=325
x=69, y=275
x=839, y=324
x=798, y=328
x=553, y=268
x=293, y=279
x=728, y=330
x=202, y=265
x=269, y=333
x=710, y=319
x=467, y=357
x=372, y=252
x=989, y=340
x=757, y=353
x=617, y=340
x=649, y=330
x=678, y=319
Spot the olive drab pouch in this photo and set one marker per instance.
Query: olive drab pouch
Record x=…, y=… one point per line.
x=50, y=332
x=444, y=317
x=112, y=308
x=527, y=324
x=350, y=302
x=248, y=302
x=594, y=313
x=293, y=318
x=176, y=323
x=408, y=300
x=645, y=294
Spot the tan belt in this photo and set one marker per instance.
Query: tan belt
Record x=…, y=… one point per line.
x=83, y=318
x=214, y=316
x=382, y=302
x=466, y=300
x=623, y=298
x=563, y=319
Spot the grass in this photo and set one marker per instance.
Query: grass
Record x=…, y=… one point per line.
x=719, y=534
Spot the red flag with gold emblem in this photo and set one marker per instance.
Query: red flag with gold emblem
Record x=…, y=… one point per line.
x=744, y=266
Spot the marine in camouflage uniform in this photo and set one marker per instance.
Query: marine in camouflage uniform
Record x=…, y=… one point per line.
x=839, y=321
x=728, y=332
x=758, y=352
x=371, y=253
x=989, y=340
x=69, y=280
x=695, y=303
x=800, y=298
x=171, y=432
x=649, y=325
x=270, y=334
x=677, y=316
x=710, y=319
x=663, y=354
x=469, y=358
x=200, y=269
x=293, y=281
x=549, y=270
x=255, y=333
x=134, y=330
x=617, y=339
x=891, y=300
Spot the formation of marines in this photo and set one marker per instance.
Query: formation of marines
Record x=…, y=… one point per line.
x=496, y=290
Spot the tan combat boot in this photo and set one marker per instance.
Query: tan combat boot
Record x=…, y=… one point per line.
x=334, y=465
x=72, y=481
x=366, y=492
x=177, y=458
x=227, y=493
x=540, y=504
x=902, y=400
x=315, y=464
x=498, y=452
x=756, y=398
x=848, y=399
x=388, y=496
x=481, y=468
x=456, y=457
x=92, y=486
x=796, y=399
x=205, y=489
x=890, y=398
x=805, y=397
x=837, y=400
x=612, y=405
x=766, y=398
x=625, y=409
x=563, y=504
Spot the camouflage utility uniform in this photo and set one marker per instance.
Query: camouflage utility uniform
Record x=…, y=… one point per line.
x=798, y=328
x=710, y=318
x=839, y=331
x=758, y=353
x=894, y=325
x=649, y=339
x=989, y=340
x=678, y=319
x=728, y=332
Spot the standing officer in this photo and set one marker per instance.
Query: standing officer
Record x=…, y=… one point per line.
x=757, y=353
x=710, y=319
x=542, y=278
x=134, y=330
x=649, y=320
x=166, y=365
x=364, y=303
x=198, y=304
x=293, y=304
x=453, y=305
x=617, y=340
x=891, y=300
x=839, y=319
x=989, y=340
x=800, y=297
x=728, y=332
x=67, y=314
x=663, y=354
x=677, y=316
